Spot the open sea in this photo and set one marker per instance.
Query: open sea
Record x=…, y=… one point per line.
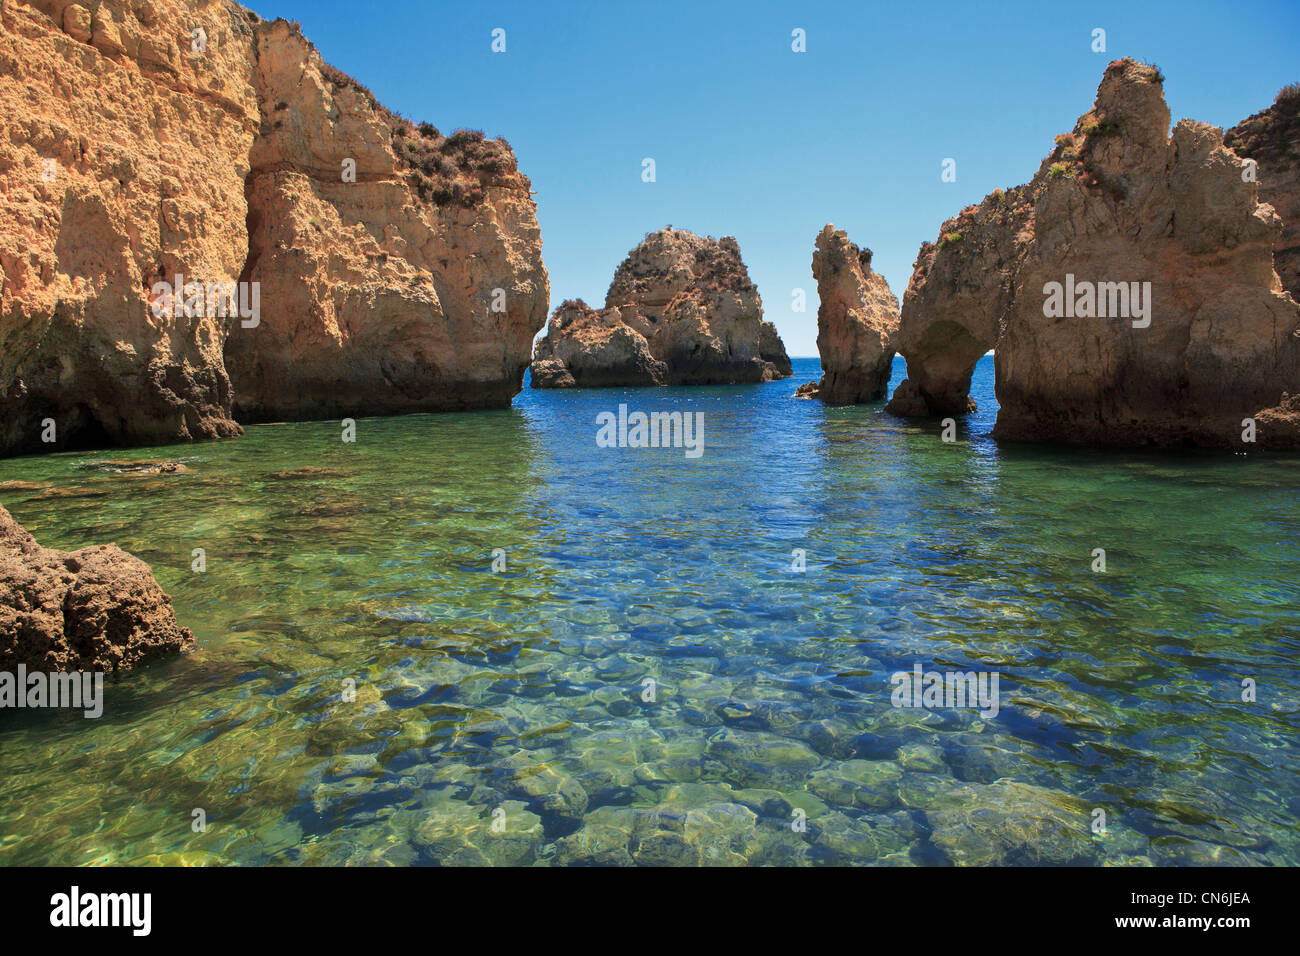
x=482, y=639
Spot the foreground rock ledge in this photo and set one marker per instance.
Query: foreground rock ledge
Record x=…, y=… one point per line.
x=680, y=311
x=97, y=609
x=1118, y=201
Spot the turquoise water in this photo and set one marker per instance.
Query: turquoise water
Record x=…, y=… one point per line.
x=516, y=697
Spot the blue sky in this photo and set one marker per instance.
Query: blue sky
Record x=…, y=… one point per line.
x=753, y=140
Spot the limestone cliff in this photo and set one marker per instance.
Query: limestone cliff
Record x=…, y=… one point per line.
x=417, y=287
x=122, y=160
x=1272, y=139
x=681, y=310
x=585, y=348
x=857, y=322
x=957, y=300
x=141, y=140
x=1129, y=291
x=97, y=609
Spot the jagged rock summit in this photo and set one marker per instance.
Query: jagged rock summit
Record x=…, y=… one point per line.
x=681, y=310
x=391, y=268
x=1129, y=291
x=857, y=322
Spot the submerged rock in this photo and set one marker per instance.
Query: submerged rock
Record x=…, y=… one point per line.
x=456, y=834
x=594, y=844
x=760, y=760
x=392, y=268
x=724, y=834
x=866, y=784
x=543, y=787
x=97, y=609
x=681, y=310
x=1011, y=823
x=1129, y=291
x=857, y=322
x=139, y=468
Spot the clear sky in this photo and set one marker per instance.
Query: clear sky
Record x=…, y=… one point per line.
x=754, y=140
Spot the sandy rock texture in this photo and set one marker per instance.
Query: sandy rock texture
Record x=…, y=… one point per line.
x=145, y=139
x=417, y=287
x=122, y=160
x=1208, y=339
x=1271, y=137
x=857, y=322
x=97, y=609
x=681, y=310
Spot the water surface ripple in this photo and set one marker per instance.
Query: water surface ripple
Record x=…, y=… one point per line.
x=519, y=695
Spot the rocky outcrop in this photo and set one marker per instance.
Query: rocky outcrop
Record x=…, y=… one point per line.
x=772, y=351
x=141, y=141
x=418, y=287
x=97, y=609
x=1272, y=138
x=857, y=322
x=957, y=301
x=588, y=349
x=122, y=160
x=681, y=310
x=1128, y=289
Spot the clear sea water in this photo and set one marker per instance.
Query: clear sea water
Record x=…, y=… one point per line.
x=503, y=717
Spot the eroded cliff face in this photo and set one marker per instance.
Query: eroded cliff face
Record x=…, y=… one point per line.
x=586, y=348
x=857, y=322
x=1272, y=138
x=1128, y=289
x=134, y=150
x=957, y=302
x=122, y=161
x=417, y=287
x=681, y=310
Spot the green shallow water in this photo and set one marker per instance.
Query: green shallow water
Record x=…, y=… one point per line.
x=517, y=696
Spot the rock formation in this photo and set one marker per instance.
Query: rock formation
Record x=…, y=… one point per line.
x=681, y=310
x=141, y=140
x=122, y=159
x=1128, y=288
x=772, y=351
x=857, y=322
x=589, y=349
x=417, y=287
x=956, y=302
x=1272, y=138
x=97, y=609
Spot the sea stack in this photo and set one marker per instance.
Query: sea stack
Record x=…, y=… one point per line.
x=857, y=322
x=97, y=609
x=206, y=224
x=681, y=310
x=1129, y=291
